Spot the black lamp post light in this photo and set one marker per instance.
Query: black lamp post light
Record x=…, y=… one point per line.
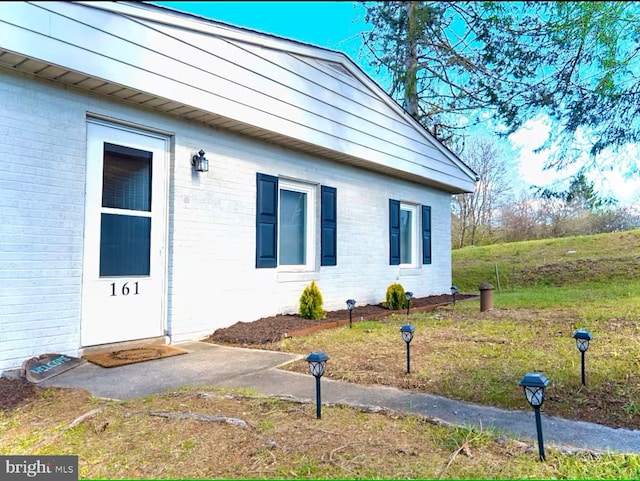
x=454, y=291
x=350, y=304
x=407, y=334
x=317, y=365
x=582, y=337
x=408, y=295
x=534, y=384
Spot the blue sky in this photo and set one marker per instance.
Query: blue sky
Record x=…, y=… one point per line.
x=338, y=26
x=334, y=25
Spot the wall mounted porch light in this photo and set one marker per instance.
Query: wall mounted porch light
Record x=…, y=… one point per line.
x=200, y=162
x=407, y=331
x=350, y=304
x=534, y=384
x=408, y=295
x=582, y=337
x=317, y=365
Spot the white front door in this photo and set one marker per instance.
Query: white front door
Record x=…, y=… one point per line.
x=124, y=237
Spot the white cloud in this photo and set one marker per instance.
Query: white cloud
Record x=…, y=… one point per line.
x=524, y=142
x=613, y=183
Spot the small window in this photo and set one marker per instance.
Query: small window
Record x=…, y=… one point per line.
x=287, y=228
x=405, y=232
x=125, y=224
x=126, y=178
x=297, y=225
x=125, y=245
x=409, y=240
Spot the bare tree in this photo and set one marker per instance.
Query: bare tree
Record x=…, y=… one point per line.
x=555, y=217
x=519, y=220
x=476, y=212
x=532, y=217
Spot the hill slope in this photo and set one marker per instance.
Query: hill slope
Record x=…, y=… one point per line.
x=604, y=258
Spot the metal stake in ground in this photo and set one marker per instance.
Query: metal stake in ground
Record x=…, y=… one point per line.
x=407, y=334
x=582, y=337
x=350, y=304
x=534, y=384
x=317, y=365
x=408, y=295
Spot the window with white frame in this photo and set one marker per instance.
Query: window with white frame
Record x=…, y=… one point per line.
x=287, y=224
x=297, y=225
x=409, y=234
x=409, y=240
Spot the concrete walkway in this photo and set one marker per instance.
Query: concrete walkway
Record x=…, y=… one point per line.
x=220, y=366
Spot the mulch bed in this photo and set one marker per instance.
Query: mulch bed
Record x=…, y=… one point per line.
x=274, y=328
x=15, y=392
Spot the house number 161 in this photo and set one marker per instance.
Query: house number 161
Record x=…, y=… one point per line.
x=125, y=291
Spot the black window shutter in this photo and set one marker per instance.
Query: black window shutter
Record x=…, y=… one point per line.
x=266, y=221
x=426, y=234
x=394, y=232
x=328, y=226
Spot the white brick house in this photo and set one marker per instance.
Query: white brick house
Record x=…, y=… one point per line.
x=108, y=233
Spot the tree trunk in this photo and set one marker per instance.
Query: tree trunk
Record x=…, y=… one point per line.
x=411, y=62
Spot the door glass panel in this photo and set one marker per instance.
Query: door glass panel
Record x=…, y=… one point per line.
x=406, y=237
x=293, y=227
x=125, y=245
x=126, y=178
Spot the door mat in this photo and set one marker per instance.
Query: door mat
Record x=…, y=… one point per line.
x=37, y=369
x=132, y=356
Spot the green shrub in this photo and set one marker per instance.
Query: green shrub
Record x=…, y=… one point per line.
x=311, y=302
x=396, y=298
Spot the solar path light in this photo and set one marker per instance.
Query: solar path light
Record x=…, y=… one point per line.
x=534, y=384
x=408, y=295
x=350, y=304
x=407, y=334
x=317, y=365
x=454, y=291
x=582, y=337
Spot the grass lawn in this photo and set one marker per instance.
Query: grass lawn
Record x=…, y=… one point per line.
x=461, y=353
x=279, y=440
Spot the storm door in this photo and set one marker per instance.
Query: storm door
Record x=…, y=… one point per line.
x=124, y=244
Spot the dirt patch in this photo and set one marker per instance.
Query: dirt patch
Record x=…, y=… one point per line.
x=16, y=392
x=606, y=269
x=274, y=328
